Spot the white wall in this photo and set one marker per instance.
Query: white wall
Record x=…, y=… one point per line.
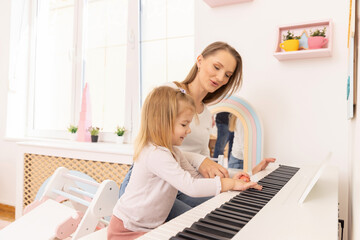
x=302, y=103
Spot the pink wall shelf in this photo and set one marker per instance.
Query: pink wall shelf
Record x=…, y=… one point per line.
x=304, y=30
x=219, y=3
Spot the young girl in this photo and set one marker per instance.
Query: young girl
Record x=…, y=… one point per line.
x=160, y=169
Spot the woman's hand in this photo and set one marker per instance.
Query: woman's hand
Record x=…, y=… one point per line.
x=262, y=165
x=210, y=169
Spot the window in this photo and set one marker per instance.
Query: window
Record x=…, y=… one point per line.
x=76, y=42
x=105, y=61
x=52, y=66
x=167, y=41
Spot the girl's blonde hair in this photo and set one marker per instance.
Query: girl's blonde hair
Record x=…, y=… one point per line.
x=235, y=80
x=159, y=112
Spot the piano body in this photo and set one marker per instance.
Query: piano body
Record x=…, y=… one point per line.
x=280, y=216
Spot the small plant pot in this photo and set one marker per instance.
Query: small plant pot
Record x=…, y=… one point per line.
x=72, y=136
x=290, y=45
x=120, y=139
x=317, y=42
x=94, y=138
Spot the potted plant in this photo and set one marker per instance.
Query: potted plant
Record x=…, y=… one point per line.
x=94, y=132
x=72, y=129
x=317, y=39
x=120, y=134
x=290, y=42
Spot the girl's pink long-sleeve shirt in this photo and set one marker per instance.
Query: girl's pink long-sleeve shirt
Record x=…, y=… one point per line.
x=156, y=178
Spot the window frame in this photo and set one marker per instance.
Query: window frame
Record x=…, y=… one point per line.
x=133, y=54
x=133, y=84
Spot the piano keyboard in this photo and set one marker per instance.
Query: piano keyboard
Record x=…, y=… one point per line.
x=223, y=216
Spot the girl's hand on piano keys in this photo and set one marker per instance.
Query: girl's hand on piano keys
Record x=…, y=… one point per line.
x=237, y=184
x=242, y=176
x=240, y=185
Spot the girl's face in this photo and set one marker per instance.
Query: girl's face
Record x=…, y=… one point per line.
x=215, y=70
x=182, y=127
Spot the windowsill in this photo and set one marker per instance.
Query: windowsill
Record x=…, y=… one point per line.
x=99, y=147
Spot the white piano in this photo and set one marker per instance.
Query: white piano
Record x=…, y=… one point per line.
x=281, y=218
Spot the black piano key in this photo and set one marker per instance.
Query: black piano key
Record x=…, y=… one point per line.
x=284, y=172
x=270, y=186
x=250, y=198
x=232, y=215
x=280, y=172
x=271, y=181
x=230, y=206
x=205, y=234
x=264, y=190
x=288, y=168
x=189, y=236
x=266, y=194
x=278, y=175
x=226, y=218
x=246, y=204
x=185, y=238
x=220, y=224
x=257, y=195
x=272, y=177
x=249, y=202
x=221, y=232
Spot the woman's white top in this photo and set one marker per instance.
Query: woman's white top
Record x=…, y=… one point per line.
x=238, y=143
x=155, y=180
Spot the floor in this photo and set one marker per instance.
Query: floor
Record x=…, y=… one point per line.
x=7, y=215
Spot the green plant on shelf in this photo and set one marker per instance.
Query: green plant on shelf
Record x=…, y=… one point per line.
x=72, y=128
x=318, y=33
x=120, y=131
x=94, y=131
x=290, y=35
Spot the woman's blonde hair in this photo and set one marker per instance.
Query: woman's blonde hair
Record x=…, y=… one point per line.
x=235, y=80
x=159, y=112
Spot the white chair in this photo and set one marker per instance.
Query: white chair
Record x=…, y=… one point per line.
x=50, y=219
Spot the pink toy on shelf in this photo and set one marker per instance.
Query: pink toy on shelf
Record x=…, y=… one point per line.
x=83, y=134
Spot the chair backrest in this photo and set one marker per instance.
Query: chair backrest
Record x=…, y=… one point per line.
x=91, y=207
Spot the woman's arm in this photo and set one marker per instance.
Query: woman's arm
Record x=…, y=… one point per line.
x=262, y=165
x=207, y=167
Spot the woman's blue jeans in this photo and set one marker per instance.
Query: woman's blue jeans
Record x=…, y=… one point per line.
x=223, y=136
x=182, y=204
x=235, y=162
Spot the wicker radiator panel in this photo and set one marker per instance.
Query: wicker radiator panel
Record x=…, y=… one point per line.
x=38, y=168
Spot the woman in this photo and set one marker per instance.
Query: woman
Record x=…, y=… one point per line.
x=216, y=74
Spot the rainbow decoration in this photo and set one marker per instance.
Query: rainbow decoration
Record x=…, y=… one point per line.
x=253, y=134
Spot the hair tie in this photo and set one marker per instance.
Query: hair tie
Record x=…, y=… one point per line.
x=182, y=90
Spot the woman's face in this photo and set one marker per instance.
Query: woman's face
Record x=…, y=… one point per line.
x=215, y=70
